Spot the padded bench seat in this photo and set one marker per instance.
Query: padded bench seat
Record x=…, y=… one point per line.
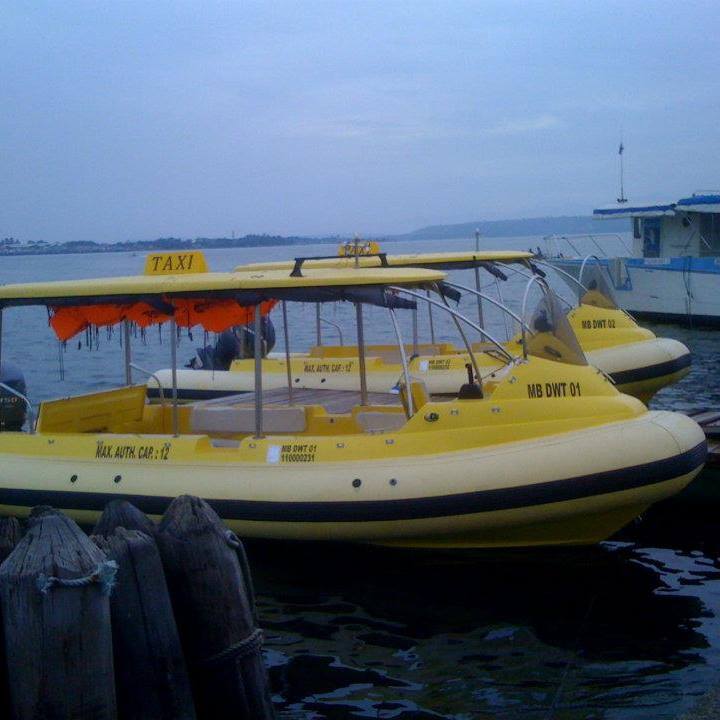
x=377, y=421
x=231, y=419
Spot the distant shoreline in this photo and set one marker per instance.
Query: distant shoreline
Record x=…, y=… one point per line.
x=74, y=248
x=527, y=227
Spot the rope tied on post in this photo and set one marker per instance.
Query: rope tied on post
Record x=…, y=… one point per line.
x=232, y=540
x=249, y=645
x=210, y=601
x=104, y=575
x=235, y=543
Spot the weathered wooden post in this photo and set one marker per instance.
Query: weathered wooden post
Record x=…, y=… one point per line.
x=121, y=513
x=10, y=534
x=214, y=613
x=150, y=673
x=40, y=511
x=54, y=590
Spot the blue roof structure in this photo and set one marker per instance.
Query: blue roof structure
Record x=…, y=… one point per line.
x=708, y=203
x=628, y=209
x=699, y=202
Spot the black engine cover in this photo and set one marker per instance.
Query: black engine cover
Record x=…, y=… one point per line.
x=12, y=408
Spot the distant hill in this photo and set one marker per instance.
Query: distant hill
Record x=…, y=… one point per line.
x=488, y=228
x=563, y=225
x=10, y=246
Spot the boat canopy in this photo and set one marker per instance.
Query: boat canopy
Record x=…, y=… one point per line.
x=700, y=203
x=629, y=210
x=216, y=301
x=435, y=261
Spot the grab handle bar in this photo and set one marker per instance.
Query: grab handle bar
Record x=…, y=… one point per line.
x=154, y=377
x=336, y=326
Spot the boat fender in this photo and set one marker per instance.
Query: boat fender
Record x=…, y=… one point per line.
x=470, y=390
x=13, y=409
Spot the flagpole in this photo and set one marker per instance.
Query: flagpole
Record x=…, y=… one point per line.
x=622, y=197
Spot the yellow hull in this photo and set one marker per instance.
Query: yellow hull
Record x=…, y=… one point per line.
x=566, y=488
x=551, y=454
x=639, y=363
x=572, y=523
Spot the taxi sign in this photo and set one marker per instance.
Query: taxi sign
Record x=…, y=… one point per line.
x=351, y=249
x=176, y=263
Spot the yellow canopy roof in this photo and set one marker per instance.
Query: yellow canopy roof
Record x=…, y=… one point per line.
x=122, y=289
x=438, y=261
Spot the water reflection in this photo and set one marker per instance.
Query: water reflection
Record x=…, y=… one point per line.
x=580, y=633
x=700, y=388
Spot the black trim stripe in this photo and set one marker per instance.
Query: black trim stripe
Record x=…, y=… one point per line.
x=651, y=372
x=191, y=393
x=677, y=318
x=407, y=509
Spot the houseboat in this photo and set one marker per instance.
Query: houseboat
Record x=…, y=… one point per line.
x=671, y=270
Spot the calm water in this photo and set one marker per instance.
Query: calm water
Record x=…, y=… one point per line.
x=625, y=630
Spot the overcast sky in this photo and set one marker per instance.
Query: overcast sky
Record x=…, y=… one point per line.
x=134, y=120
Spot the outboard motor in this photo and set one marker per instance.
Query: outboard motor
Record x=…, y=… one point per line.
x=268, y=338
x=268, y=333
x=13, y=409
x=227, y=348
x=233, y=344
x=219, y=356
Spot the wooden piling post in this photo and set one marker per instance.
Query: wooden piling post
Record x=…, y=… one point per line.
x=214, y=613
x=54, y=590
x=121, y=513
x=150, y=673
x=10, y=534
x=41, y=511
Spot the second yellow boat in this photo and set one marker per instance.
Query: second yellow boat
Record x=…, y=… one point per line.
x=633, y=357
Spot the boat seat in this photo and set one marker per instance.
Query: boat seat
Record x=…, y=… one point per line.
x=103, y=411
x=376, y=421
x=419, y=393
x=239, y=420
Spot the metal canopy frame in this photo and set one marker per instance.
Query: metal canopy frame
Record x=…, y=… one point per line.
x=530, y=274
x=458, y=316
x=300, y=261
x=491, y=300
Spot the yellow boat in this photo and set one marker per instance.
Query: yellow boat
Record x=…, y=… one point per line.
x=637, y=361
x=543, y=452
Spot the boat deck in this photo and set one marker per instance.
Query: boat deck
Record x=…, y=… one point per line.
x=334, y=401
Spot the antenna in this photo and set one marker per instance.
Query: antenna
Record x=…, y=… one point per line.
x=622, y=198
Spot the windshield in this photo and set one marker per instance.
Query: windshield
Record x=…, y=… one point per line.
x=551, y=336
x=599, y=292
